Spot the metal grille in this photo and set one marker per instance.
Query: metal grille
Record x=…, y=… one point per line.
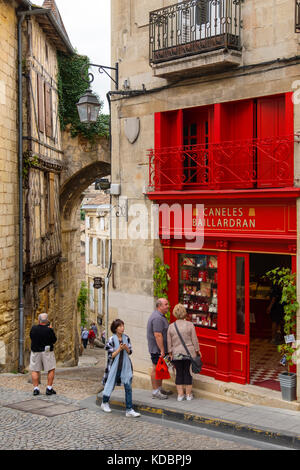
x=246, y=163
x=194, y=26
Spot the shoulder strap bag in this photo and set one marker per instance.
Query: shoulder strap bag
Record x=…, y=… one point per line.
x=196, y=361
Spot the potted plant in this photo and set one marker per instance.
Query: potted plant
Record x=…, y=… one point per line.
x=286, y=280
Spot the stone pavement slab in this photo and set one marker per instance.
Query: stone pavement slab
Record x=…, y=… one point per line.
x=43, y=407
x=272, y=424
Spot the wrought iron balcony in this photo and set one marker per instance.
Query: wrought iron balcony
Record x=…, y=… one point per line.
x=255, y=163
x=194, y=27
x=297, y=16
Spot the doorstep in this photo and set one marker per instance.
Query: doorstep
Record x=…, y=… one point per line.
x=211, y=389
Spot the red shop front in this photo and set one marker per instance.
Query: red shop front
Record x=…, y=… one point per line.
x=222, y=283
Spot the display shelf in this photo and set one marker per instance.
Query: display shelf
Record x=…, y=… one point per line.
x=198, y=287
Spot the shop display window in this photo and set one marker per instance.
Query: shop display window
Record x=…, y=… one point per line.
x=198, y=288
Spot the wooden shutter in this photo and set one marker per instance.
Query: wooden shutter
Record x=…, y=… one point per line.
x=51, y=200
x=233, y=159
x=48, y=110
x=274, y=157
x=40, y=95
x=202, y=12
x=168, y=150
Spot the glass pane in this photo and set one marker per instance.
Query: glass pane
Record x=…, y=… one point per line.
x=198, y=288
x=193, y=129
x=240, y=295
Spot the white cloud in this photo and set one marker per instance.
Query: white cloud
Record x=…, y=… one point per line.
x=88, y=26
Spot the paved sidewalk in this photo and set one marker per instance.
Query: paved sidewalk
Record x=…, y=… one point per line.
x=271, y=424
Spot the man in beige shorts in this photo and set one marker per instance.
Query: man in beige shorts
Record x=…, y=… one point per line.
x=42, y=355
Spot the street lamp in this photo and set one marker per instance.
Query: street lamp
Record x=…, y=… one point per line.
x=88, y=107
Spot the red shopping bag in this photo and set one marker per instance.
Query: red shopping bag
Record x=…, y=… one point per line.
x=161, y=371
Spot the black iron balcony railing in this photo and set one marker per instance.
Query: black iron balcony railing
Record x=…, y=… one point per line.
x=297, y=16
x=193, y=27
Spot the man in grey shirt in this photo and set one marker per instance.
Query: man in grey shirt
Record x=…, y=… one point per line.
x=157, y=329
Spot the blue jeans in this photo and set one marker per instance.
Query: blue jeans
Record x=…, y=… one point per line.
x=128, y=394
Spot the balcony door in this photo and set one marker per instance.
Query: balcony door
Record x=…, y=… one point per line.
x=200, y=21
x=196, y=162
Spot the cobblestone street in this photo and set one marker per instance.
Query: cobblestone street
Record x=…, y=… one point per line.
x=89, y=428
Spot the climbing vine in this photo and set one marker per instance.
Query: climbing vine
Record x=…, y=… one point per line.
x=82, y=302
x=161, y=280
x=29, y=161
x=71, y=86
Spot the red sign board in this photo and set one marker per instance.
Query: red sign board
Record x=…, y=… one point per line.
x=250, y=219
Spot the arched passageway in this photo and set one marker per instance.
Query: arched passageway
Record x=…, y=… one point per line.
x=84, y=163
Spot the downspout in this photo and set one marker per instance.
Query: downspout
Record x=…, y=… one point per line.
x=21, y=16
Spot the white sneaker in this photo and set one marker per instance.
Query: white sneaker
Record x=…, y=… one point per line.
x=132, y=414
x=180, y=398
x=105, y=407
x=159, y=395
x=190, y=397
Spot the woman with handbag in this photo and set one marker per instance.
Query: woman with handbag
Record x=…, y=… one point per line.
x=184, y=351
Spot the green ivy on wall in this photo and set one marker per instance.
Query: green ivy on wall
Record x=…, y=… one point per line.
x=71, y=86
x=82, y=300
x=161, y=280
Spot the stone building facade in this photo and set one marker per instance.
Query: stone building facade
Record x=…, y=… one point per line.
x=8, y=182
x=56, y=170
x=261, y=61
x=96, y=247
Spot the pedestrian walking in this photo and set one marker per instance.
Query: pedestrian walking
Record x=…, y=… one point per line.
x=157, y=329
x=42, y=355
x=95, y=329
x=119, y=368
x=91, y=338
x=178, y=353
x=85, y=337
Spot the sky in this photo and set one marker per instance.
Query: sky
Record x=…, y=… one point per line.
x=88, y=26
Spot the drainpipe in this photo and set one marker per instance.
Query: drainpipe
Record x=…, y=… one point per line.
x=21, y=17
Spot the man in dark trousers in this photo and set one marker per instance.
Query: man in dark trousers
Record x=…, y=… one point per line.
x=157, y=328
x=42, y=353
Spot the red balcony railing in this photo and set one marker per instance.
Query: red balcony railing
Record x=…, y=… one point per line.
x=254, y=163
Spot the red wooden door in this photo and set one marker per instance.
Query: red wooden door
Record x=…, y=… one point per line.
x=274, y=142
x=168, y=148
x=240, y=320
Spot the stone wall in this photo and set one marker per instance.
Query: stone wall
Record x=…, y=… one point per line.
x=8, y=189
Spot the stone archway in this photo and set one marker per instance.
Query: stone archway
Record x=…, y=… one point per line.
x=84, y=163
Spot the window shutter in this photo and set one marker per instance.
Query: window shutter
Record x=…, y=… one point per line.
x=48, y=110
x=202, y=12
x=51, y=199
x=40, y=94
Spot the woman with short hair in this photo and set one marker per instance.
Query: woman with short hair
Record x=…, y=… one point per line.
x=119, y=368
x=178, y=354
